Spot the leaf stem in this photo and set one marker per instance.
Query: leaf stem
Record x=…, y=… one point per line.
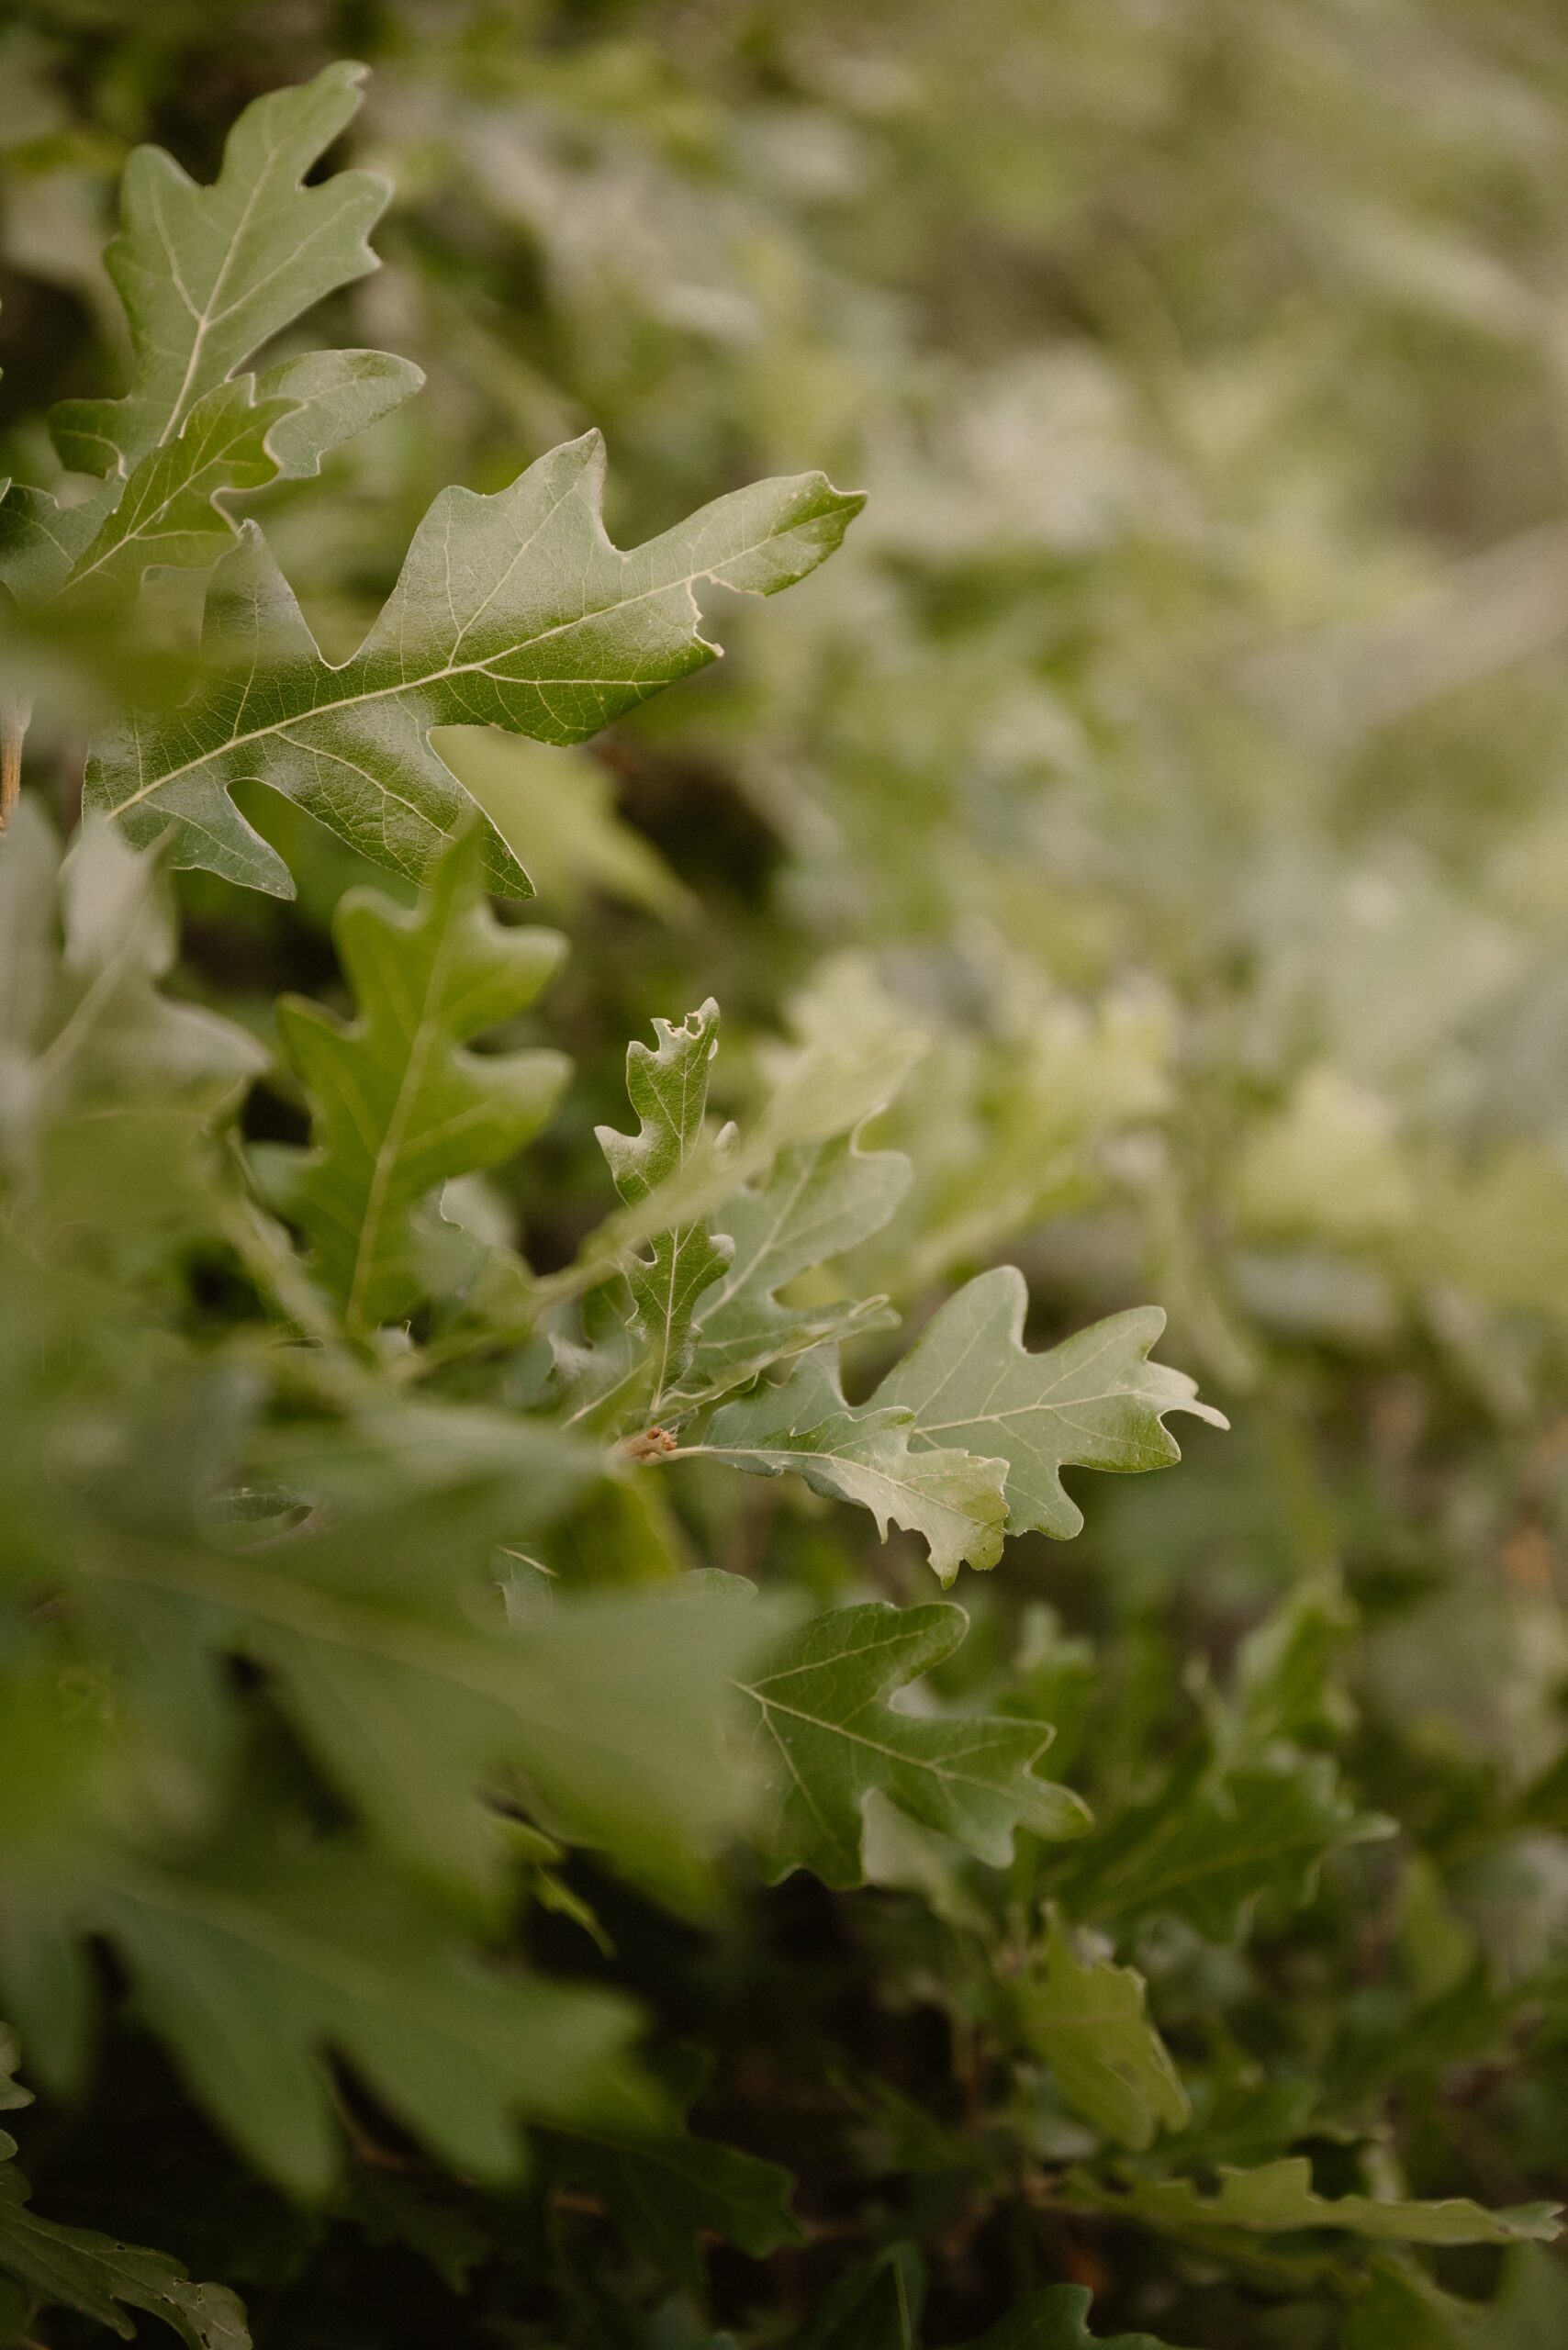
x=14, y=717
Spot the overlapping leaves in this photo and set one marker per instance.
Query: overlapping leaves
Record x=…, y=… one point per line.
x=819, y=1200
x=352, y=1567
x=706, y=1319
x=670, y=2190
x=953, y=1499
x=1213, y=1843
x=344, y=1595
x=966, y=1438
x=879, y=2307
x=208, y=276
x=511, y=609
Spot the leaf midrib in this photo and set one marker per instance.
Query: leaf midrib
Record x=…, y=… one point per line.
x=208, y=315
x=383, y=1165
x=916, y=1762
x=146, y=526
x=454, y=668
x=787, y=1456
x=667, y=1254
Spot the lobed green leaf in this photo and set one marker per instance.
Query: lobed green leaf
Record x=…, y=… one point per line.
x=511, y=611
x=831, y=1738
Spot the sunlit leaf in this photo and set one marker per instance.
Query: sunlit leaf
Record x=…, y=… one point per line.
x=1095, y=1401
x=863, y=1453
x=512, y=610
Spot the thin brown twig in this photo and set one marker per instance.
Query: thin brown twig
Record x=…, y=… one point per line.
x=13, y=717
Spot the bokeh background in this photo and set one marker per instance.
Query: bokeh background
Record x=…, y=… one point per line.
x=1181, y=740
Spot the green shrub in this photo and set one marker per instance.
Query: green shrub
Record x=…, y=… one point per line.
x=472, y=1862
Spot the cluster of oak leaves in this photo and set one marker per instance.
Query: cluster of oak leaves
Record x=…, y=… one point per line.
x=299, y=1698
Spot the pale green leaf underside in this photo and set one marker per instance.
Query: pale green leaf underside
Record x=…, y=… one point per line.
x=863, y=1453
x=1094, y=1402
x=1278, y=2197
x=825, y=1091
x=818, y=1198
x=830, y=1738
x=512, y=610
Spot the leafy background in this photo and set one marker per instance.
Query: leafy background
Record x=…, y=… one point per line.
x=1176, y=746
